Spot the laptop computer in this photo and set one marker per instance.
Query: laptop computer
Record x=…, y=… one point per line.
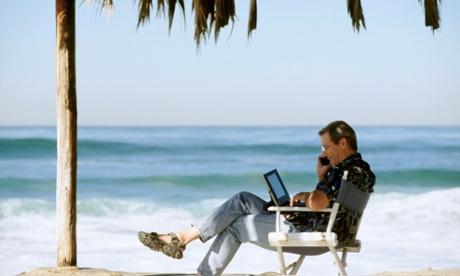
x=276, y=189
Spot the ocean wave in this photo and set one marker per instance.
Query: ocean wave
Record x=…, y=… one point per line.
x=420, y=177
x=437, y=206
x=394, y=225
x=193, y=181
x=43, y=147
x=268, y=140
x=13, y=207
x=203, y=184
x=27, y=147
x=415, y=146
x=104, y=207
x=33, y=146
x=415, y=177
x=424, y=205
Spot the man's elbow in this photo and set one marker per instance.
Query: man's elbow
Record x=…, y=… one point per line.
x=318, y=200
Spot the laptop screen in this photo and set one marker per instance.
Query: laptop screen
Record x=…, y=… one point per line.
x=276, y=188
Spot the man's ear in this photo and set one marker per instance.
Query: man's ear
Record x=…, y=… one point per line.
x=343, y=142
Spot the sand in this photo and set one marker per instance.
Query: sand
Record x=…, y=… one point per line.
x=423, y=272
x=75, y=271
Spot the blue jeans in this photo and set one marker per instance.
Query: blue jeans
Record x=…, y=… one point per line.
x=242, y=218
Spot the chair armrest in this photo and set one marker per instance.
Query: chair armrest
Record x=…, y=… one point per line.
x=296, y=209
x=278, y=211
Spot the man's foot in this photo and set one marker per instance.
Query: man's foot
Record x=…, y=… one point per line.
x=168, y=244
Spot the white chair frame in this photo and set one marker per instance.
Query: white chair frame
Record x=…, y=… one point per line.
x=326, y=240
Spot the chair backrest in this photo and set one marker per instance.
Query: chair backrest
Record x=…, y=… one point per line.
x=352, y=197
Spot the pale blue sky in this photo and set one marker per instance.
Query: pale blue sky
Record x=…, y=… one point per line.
x=304, y=66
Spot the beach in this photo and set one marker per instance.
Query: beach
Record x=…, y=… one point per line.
x=423, y=272
x=104, y=272
x=166, y=178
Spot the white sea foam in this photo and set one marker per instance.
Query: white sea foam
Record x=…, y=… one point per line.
x=399, y=232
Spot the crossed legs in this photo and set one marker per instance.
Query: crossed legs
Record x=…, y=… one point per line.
x=240, y=219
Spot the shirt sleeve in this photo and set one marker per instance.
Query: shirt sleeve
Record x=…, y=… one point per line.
x=330, y=186
x=363, y=179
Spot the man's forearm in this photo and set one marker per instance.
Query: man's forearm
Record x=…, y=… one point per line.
x=317, y=200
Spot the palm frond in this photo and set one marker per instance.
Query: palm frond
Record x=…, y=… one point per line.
x=356, y=12
x=225, y=11
x=103, y=5
x=182, y=6
x=252, y=22
x=160, y=7
x=212, y=13
x=217, y=14
x=172, y=8
x=106, y=4
x=203, y=9
x=431, y=14
x=144, y=11
x=145, y=7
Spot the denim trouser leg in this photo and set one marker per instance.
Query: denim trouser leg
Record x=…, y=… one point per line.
x=240, y=219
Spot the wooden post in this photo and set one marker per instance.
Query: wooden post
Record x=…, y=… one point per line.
x=66, y=176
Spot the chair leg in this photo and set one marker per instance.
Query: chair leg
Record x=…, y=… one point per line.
x=344, y=257
x=296, y=265
x=337, y=261
x=281, y=259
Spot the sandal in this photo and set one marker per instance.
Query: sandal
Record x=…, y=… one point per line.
x=150, y=240
x=173, y=249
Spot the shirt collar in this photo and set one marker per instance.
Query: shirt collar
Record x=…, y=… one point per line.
x=349, y=160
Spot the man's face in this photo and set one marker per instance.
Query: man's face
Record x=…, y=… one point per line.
x=335, y=152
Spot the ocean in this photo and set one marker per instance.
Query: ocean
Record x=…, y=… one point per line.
x=166, y=178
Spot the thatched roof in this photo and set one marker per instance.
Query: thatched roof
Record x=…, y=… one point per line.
x=217, y=14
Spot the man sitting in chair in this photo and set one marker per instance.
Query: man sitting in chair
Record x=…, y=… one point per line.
x=244, y=217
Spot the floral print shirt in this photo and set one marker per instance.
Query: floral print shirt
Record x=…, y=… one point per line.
x=346, y=223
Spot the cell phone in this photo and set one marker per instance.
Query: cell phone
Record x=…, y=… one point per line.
x=324, y=161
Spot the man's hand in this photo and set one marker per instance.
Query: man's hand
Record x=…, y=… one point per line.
x=300, y=197
x=315, y=200
x=321, y=170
